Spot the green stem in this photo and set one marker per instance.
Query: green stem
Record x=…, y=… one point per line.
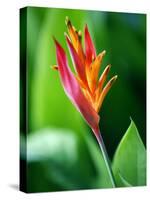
x=105, y=156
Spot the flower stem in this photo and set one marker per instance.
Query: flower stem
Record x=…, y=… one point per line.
x=105, y=156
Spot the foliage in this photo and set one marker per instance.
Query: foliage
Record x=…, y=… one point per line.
x=61, y=159
x=61, y=151
x=129, y=162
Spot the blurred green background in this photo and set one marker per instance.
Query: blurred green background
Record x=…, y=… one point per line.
x=62, y=153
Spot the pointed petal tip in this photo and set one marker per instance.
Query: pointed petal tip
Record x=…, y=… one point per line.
x=113, y=79
x=90, y=50
x=86, y=27
x=54, y=38
x=86, y=30
x=66, y=36
x=104, y=52
x=80, y=33
x=104, y=74
x=100, y=55
x=59, y=48
x=108, y=68
x=66, y=20
x=55, y=41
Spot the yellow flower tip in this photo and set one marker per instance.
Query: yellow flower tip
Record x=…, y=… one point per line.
x=113, y=79
x=74, y=29
x=107, y=69
x=100, y=55
x=54, y=67
x=65, y=34
x=68, y=23
x=103, y=52
x=79, y=35
x=67, y=20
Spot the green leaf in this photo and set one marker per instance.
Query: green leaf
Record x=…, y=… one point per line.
x=125, y=182
x=130, y=159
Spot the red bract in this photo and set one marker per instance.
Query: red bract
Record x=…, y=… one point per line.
x=73, y=89
x=84, y=89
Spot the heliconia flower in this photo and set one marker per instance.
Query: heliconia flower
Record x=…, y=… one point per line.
x=84, y=88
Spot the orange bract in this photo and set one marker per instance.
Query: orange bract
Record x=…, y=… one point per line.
x=88, y=71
